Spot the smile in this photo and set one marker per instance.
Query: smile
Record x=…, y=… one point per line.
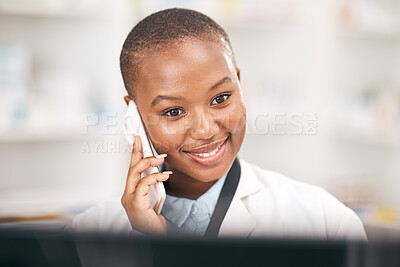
x=204, y=155
x=208, y=154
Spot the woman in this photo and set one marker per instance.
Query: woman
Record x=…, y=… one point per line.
x=178, y=67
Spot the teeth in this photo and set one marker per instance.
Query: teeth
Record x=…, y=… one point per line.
x=205, y=155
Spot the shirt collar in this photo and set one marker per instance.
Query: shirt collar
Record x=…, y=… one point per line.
x=177, y=210
x=210, y=197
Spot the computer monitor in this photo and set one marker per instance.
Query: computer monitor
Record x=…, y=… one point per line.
x=60, y=248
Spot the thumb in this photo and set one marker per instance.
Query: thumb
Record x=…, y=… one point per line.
x=163, y=221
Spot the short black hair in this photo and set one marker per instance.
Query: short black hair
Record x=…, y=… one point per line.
x=164, y=27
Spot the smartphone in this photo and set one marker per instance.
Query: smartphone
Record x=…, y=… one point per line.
x=134, y=126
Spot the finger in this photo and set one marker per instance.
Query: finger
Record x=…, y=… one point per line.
x=144, y=185
x=134, y=173
x=147, y=162
x=137, y=151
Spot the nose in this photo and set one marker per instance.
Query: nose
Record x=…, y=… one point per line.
x=203, y=125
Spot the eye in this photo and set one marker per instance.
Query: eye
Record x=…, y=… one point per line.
x=220, y=98
x=173, y=112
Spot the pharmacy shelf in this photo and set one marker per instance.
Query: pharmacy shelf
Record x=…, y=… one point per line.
x=256, y=27
x=40, y=137
x=384, y=225
x=362, y=138
x=46, y=203
x=53, y=13
x=387, y=225
x=362, y=34
x=56, y=224
x=378, y=231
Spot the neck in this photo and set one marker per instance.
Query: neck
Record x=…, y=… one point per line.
x=185, y=186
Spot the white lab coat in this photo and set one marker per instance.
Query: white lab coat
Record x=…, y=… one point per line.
x=266, y=204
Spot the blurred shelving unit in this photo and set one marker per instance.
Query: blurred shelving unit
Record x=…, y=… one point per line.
x=367, y=34
x=49, y=12
x=368, y=87
x=365, y=127
x=59, y=60
x=367, y=139
x=39, y=137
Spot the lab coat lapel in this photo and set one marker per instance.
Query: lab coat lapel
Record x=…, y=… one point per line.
x=238, y=220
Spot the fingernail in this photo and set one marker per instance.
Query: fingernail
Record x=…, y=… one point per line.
x=161, y=156
x=167, y=172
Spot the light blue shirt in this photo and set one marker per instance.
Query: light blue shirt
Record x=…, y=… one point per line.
x=191, y=217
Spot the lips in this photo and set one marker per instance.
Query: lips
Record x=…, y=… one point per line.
x=206, y=148
x=208, y=154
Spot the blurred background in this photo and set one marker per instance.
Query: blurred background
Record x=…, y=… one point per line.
x=321, y=81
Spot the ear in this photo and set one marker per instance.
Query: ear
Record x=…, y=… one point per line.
x=238, y=73
x=127, y=99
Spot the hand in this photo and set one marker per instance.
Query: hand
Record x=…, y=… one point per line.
x=136, y=200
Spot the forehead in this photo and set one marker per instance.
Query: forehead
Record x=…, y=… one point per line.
x=183, y=68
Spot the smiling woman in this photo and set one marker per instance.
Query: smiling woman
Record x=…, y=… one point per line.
x=178, y=67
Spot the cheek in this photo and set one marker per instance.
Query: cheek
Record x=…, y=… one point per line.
x=235, y=120
x=166, y=136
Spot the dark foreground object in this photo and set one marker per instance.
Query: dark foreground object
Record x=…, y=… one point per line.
x=45, y=248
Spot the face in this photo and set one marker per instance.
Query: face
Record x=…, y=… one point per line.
x=190, y=100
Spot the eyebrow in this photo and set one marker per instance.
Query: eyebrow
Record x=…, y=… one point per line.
x=223, y=80
x=165, y=97
x=160, y=98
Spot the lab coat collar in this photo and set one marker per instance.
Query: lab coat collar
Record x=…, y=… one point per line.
x=238, y=220
x=249, y=183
